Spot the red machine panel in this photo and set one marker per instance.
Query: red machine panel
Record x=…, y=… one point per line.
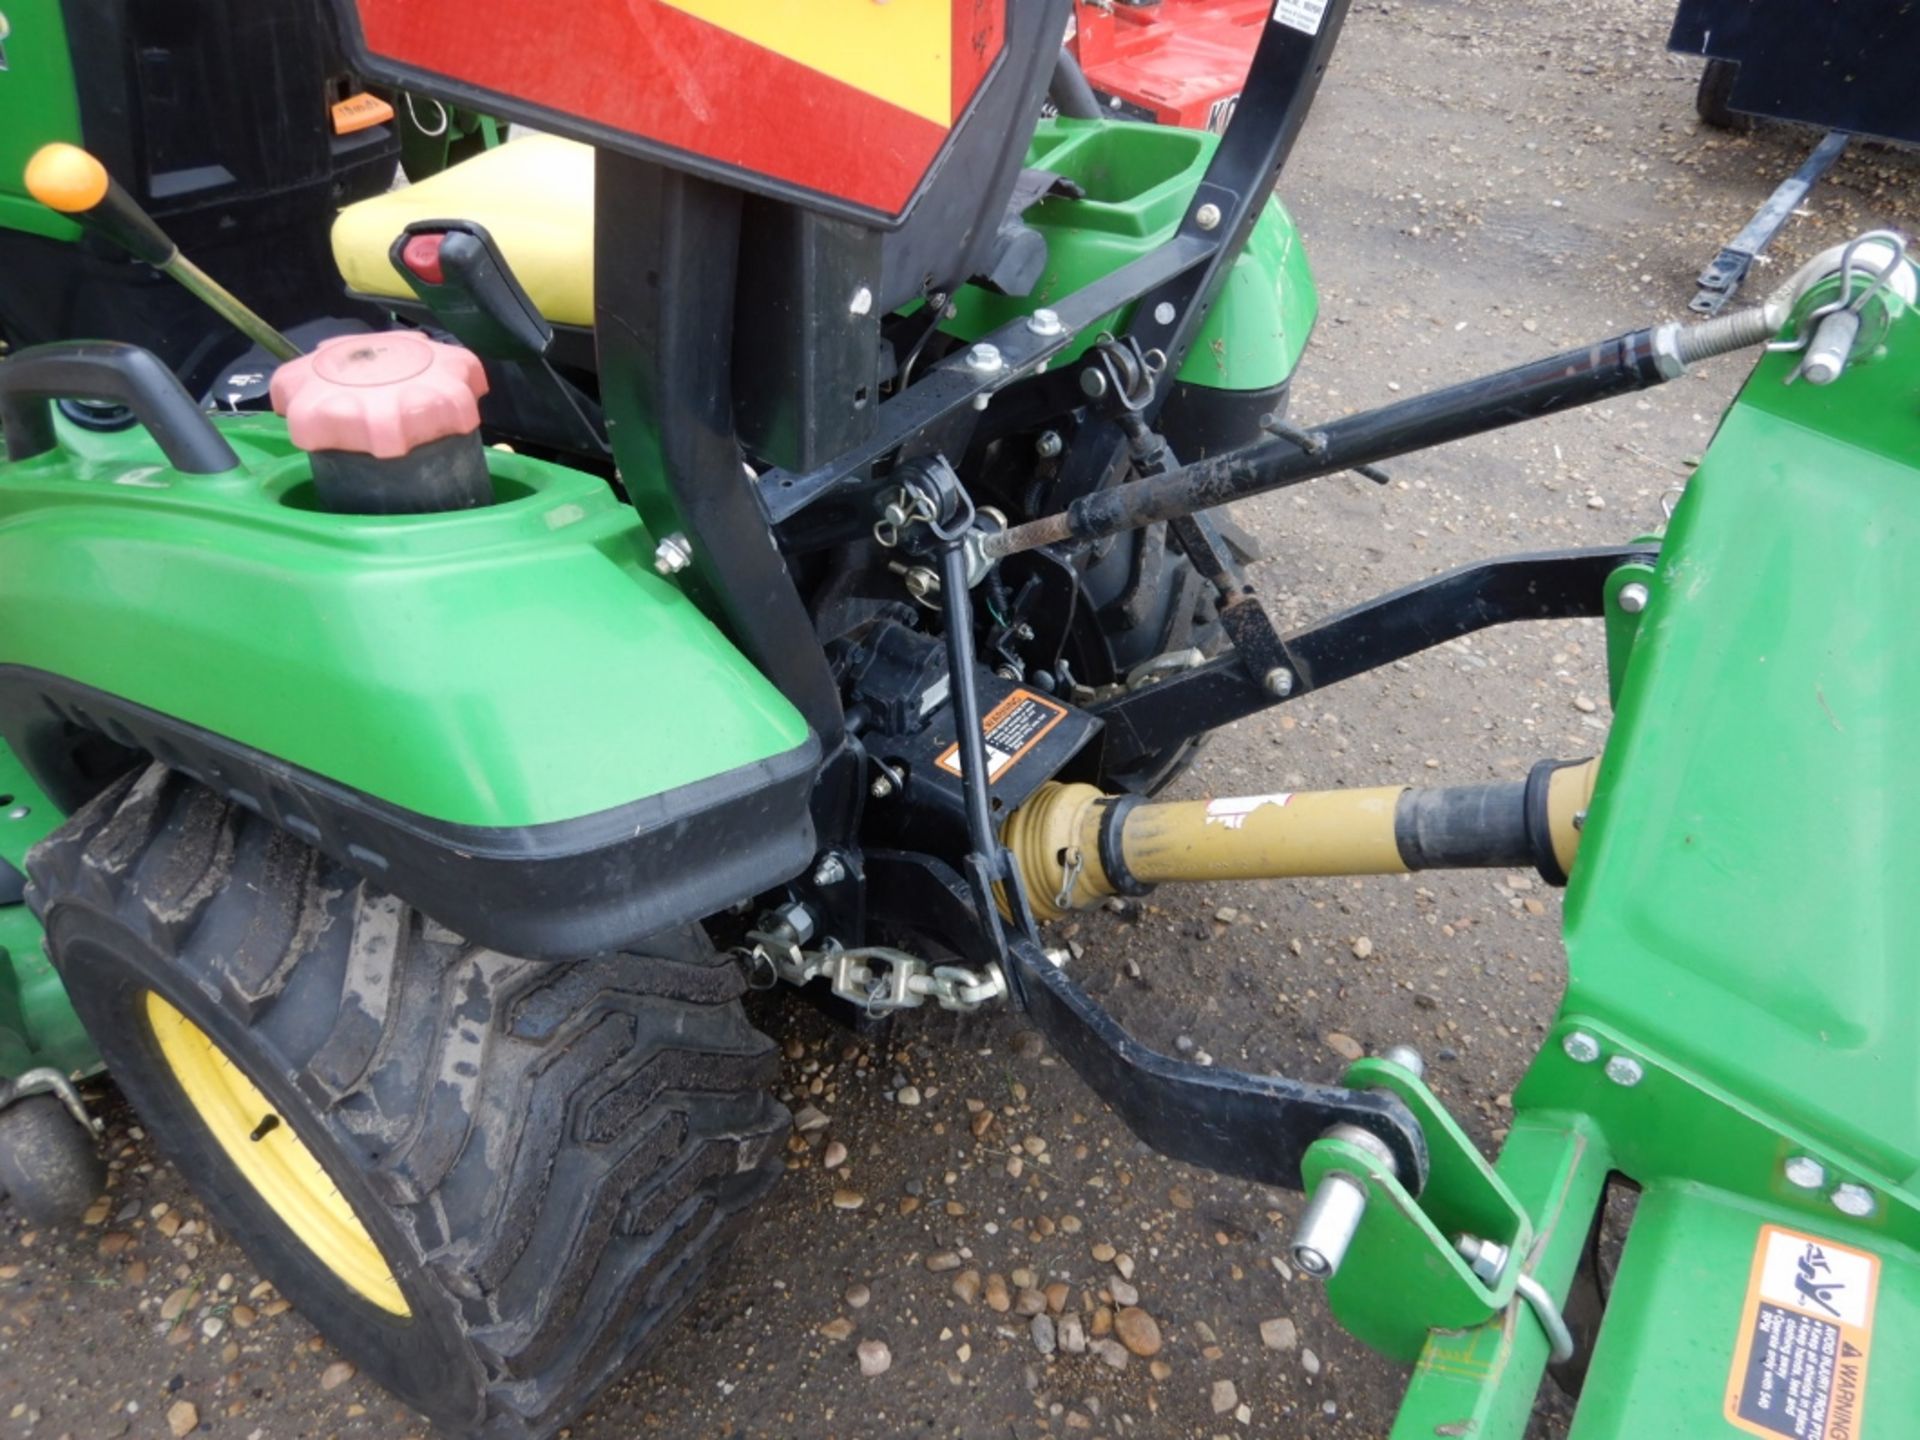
x=1178, y=62
x=842, y=104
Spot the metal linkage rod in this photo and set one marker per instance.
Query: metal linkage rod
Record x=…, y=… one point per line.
x=1626, y=363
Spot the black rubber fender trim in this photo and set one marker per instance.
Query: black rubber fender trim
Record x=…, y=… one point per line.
x=551, y=891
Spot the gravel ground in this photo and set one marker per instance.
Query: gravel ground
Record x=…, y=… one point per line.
x=1479, y=183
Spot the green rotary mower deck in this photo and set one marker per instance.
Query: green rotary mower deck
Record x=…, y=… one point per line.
x=1736, y=1036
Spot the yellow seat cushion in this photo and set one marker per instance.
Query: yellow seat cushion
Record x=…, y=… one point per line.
x=534, y=196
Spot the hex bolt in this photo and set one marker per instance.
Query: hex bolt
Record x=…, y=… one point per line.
x=673, y=554
x=1279, y=682
x=830, y=871
x=881, y=788
x=1625, y=1070
x=1486, y=1258
x=1407, y=1058
x=1854, y=1200
x=1207, y=217
x=1045, y=323
x=1806, y=1173
x=1581, y=1047
x=984, y=359
x=1633, y=598
x=1327, y=1228
x=1049, y=444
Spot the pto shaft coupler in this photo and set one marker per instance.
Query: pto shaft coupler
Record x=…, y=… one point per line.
x=1076, y=845
x=1618, y=366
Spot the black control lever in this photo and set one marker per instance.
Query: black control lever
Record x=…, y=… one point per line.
x=461, y=276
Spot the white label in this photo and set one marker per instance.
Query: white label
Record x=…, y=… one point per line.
x=1233, y=811
x=1301, y=15
x=1818, y=1277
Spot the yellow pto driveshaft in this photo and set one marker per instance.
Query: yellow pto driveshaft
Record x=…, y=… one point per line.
x=1077, y=845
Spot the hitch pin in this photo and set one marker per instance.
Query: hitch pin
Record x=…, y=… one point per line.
x=1332, y=1218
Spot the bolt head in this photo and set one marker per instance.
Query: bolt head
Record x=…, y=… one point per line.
x=1207, y=217
x=1625, y=1070
x=1806, y=1173
x=1045, y=323
x=1581, y=1047
x=19, y=812
x=862, y=302
x=1164, y=312
x=1092, y=383
x=672, y=555
x=1279, y=682
x=1854, y=1200
x=1633, y=598
x=1486, y=1258
x=984, y=359
x=881, y=788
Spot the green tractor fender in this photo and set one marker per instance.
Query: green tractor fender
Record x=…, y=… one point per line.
x=503, y=714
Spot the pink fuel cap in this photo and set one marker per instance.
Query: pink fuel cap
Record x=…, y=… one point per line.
x=382, y=395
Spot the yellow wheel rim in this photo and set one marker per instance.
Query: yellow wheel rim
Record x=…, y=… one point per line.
x=274, y=1160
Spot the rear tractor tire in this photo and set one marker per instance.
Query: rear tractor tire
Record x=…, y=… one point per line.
x=488, y=1181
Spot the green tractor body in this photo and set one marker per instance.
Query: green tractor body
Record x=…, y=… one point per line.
x=386, y=853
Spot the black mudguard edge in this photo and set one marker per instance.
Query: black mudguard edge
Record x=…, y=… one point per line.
x=554, y=891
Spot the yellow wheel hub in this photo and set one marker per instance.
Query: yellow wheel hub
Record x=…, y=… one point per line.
x=274, y=1160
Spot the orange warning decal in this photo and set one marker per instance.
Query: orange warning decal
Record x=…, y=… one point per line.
x=1800, y=1364
x=1012, y=728
x=360, y=112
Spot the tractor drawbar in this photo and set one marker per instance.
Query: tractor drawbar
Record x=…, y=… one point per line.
x=1076, y=845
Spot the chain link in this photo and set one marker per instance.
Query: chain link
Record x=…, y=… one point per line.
x=876, y=977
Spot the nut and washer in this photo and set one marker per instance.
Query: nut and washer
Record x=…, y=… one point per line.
x=1854, y=1200
x=881, y=788
x=673, y=554
x=1633, y=598
x=1280, y=682
x=1045, y=323
x=1625, y=1070
x=1806, y=1173
x=1049, y=444
x=984, y=359
x=1581, y=1047
x=1207, y=217
x=830, y=871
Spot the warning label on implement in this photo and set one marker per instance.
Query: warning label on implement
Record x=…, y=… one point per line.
x=1012, y=728
x=1800, y=1364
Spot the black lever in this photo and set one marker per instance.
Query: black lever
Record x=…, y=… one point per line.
x=461, y=276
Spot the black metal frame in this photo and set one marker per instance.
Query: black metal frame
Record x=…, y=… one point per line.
x=668, y=288
x=1543, y=585
x=1184, y=275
